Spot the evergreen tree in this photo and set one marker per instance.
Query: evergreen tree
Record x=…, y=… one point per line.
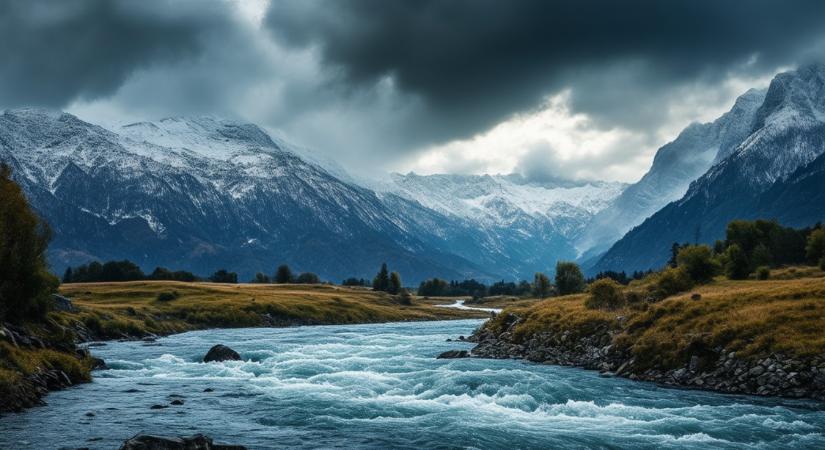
x=541, y=285
x=381, y=282
x=395, y=283
x=674, y=252
x=67, y=275
x=25, y=281
x=569, y=278
x=283, y=275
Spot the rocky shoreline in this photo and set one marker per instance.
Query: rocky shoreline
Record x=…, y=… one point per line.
x=715, y=369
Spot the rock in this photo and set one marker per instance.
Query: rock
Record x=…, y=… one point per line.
x=99, y=364
x=196, y=442
x=62, y=303
x=208, y=390
x=453, y=354
x=90, y=414
x=177, y=402
x=158, y=406
x=221, y=353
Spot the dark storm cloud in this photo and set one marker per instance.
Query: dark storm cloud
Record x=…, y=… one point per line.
x=52, y=52
x=474, y=62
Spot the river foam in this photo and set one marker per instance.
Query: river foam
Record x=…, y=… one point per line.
x=380, y=386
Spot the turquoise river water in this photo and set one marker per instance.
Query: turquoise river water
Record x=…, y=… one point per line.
x=380, y=386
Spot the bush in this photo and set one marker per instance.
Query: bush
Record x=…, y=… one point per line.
x=763, y=273
x=698, y=262
x=405, y=297
x=605, y=294
x=672, y=281
x=569, y=278
x=167, y=296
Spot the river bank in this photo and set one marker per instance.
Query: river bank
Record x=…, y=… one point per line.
x=745, y=337
x=36, y=358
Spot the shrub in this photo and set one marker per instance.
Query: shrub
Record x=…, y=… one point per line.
x=605, y=294
x=763, y=273
x=167, y=296
x=698, y=262
x=569, y=278
x=672, y=281
x=405, y=297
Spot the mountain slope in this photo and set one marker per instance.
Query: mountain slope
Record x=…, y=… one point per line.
x=787, y=134
x=201, y=194
x=675, y=166
x=521, y=225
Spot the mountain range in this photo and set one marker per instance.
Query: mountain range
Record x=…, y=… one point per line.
x=772, y=171
x=203, y=193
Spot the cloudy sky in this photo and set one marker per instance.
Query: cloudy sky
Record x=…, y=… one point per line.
x=547, y=88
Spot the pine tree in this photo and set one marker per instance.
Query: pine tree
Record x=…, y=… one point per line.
x=381, y=282
x=394, y=283
x=67, y=275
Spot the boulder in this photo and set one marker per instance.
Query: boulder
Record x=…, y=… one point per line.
x=221, y=353
x=62, y=303
x=452, y=354
x=153, y=442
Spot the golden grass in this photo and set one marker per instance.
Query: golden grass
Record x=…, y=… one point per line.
x=753, y=318
x=133, y=308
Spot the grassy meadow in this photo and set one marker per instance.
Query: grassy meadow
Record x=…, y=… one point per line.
x=136, y=308
x=784, y=314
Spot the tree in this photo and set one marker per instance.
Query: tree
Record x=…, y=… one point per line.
x=815, y=247
x=67, y=275
x=737, y=266
x=541, y=285
x=605, y=293
x=261, y=278
x=433, y=288
x=308, y=278
x=674, y=252
x=283, y=275
x=222, y=276
x=25, y=282
x=761, y=256
x=698, y=262
x=381, y=282
x=672, y=281
x=395, y=283
x=569, y=278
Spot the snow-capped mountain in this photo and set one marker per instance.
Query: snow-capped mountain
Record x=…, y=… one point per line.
x=202, y=194
x=786, y=134
x=205, y=193
x=675, y=166
x=523, y=226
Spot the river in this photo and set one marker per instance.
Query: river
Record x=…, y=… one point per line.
x=380, y=386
